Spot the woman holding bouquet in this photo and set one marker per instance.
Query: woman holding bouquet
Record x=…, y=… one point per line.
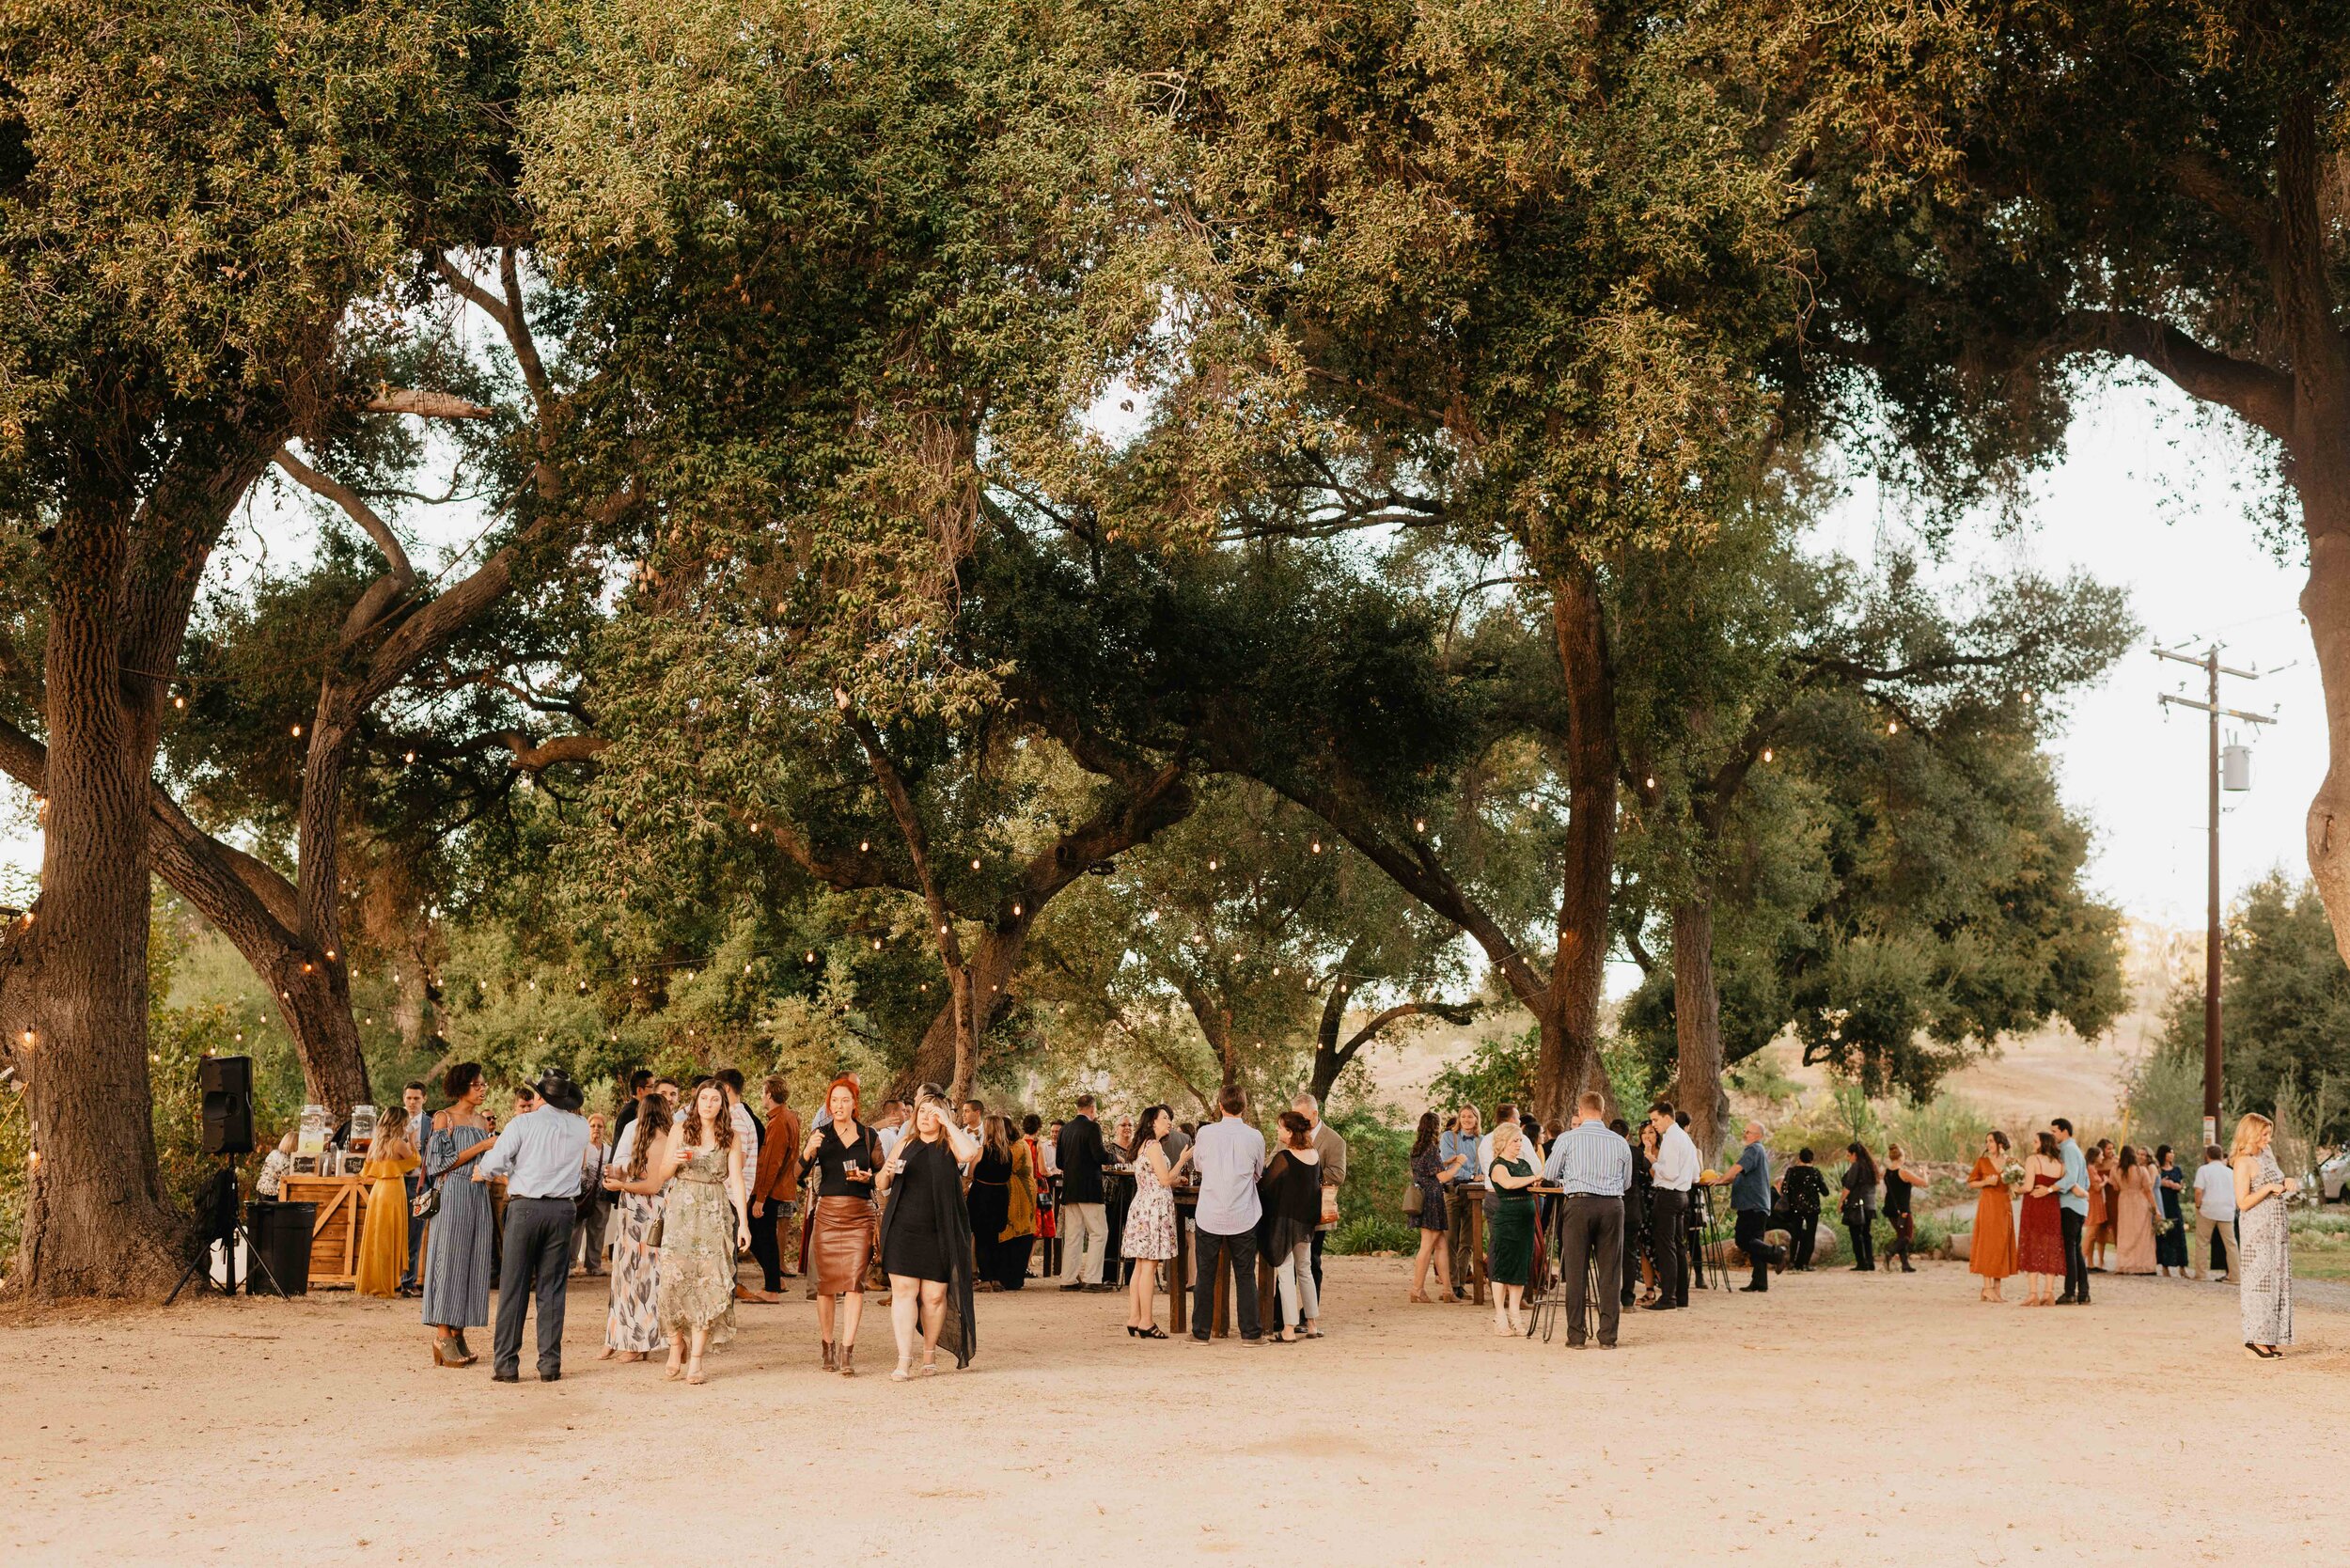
x=1993, y=1255
x=2170, y=1240
x=2132, y=1214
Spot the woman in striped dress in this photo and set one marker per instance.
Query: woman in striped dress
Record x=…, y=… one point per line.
x=2266, y=1267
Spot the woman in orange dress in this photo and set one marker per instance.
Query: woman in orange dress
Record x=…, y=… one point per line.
x=2134, y=1215
x=2098, y=1230
x=384, y=1241
x=1992, y=1253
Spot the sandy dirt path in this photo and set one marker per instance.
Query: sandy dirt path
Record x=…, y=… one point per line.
x=1840, y=1419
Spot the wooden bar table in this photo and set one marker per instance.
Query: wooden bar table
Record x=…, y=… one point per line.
x=1179, y=1268
x=1476, y=1238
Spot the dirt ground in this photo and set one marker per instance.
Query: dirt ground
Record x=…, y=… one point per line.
x=1840, y=1419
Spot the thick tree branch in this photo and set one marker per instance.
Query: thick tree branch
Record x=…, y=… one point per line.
x=546, y=754
x=353, y=508
x=2255, y=393
x=427, y=405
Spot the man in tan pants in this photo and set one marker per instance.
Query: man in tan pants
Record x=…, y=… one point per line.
x=2215, y=1211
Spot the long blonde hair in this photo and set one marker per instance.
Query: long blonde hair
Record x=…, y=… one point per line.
x=2249, y=1128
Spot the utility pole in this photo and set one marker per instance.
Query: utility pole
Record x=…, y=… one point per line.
x=2213, y=670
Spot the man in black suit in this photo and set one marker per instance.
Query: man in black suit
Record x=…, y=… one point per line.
x=1085, y=1230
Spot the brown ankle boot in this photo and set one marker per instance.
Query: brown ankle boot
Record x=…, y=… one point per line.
x=848, y=1360
x=829, y=1364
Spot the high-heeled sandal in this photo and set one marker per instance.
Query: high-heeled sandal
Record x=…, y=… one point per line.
x=674, y=1372
x=695, y=1375
x=1154, y=1332
x=1422, y=1300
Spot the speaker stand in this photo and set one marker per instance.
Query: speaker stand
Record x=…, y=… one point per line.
x=223, y=1226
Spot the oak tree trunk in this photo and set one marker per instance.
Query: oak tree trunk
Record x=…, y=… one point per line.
x=1697, y=1026
x=95, y=1222
x=1570, y=1060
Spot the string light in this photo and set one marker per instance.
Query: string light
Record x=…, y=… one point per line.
x=28, y=1038
x=877, y=944
x=307, y=968
x=1316, y=846
x=810, y=956
x=1212, y=865
x=1891, y=725
x=1015, y=910
x=412, y=757
x=1652, y=781
x=330, y=955
x=1767, y=754
x=180, y=703
x=975, y=862
x=863, y=845
x=1419, y=825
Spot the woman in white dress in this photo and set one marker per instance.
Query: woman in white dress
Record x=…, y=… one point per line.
x=1149, y=1236
x=2264, y=1265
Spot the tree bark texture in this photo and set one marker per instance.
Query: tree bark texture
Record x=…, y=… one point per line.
x=1570, y=1061
x=1697, y=1026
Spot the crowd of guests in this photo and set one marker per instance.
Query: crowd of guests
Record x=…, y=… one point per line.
x=926, y=1203
x=930, y=1203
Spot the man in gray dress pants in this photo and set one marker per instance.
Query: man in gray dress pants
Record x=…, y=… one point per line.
x=540, y=1155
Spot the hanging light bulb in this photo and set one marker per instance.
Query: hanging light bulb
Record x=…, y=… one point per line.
x=863, y=845
x=307, y=968
x=1316, y=846
x=975, y=862
x=330, y=955
x=877, y=943
x=297, y=731
x=1015, y=910
x=1212, y=865
x=810, y=955
x=180, y=702
x=411, y=756
x=942, y=930
x=1419, y=825
x=1767, y=754
x=2026, y=696
x=1891, y=725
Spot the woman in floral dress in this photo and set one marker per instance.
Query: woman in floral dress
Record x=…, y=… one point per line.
x=632, y=1330
x=1150, y=1238
x=2261, y=1190
x=704, y=1228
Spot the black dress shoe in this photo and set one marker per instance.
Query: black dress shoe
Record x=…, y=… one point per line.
x=506, y=1377
x=1660, y=1307
x=550, y=1377
x=1075, y=1285
x=1751, y=1290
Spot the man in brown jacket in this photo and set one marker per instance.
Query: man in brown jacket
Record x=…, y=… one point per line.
x=775, y=1195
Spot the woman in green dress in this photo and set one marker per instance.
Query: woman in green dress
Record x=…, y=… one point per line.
x=1512, y=1260
x=703, y=1226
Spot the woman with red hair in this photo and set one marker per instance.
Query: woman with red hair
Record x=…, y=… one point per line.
x=843, y=1157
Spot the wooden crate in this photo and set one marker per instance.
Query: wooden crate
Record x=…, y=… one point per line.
x=336, y=1229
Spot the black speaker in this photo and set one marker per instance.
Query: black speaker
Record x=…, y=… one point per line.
x=227, y=1086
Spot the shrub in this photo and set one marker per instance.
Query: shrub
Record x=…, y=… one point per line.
x=1378, y=1168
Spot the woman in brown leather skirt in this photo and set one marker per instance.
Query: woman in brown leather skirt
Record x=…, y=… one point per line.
x=843, y=1158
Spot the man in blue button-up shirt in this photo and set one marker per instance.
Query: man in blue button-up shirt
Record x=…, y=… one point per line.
x=542, y=1155
x=1594, y=1170
x=2073, y=1212
x=1461, y=1142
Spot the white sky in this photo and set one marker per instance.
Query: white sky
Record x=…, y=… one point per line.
x=2150, y=497
x=2158, y=498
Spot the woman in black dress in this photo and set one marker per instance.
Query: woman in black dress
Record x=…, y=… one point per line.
x=1900, y=1180
x=2170, y=1246
x=1429, y=1173
x=926, y=1238
x=1860, y=1207
x=990, y=1205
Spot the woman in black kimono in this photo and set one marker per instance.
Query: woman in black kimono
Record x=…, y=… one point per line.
x=926, y=1240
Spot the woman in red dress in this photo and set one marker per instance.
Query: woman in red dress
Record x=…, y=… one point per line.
x=2039, y=1244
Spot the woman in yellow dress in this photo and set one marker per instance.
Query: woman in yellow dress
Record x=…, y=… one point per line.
x=383, y=1242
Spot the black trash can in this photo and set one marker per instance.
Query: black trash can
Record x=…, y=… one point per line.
x=279, y=1237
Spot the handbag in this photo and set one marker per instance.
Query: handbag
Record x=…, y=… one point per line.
x=1330, y=1203
x=1854, y=1213
x=1414, y=1201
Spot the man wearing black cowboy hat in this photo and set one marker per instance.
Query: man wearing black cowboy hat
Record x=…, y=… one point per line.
x=539, y=1153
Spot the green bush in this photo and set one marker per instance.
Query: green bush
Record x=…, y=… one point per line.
x=1378, y=1168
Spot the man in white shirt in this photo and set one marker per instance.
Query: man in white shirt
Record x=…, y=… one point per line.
x=1676, y=1170
x=2215, y=1213
x=1229, y=1154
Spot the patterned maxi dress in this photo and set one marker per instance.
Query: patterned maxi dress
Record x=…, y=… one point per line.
x=634, y=1323
x=1151, y=1218
x=697, y=1273
x=457, y=1255
x=2267, y=1289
